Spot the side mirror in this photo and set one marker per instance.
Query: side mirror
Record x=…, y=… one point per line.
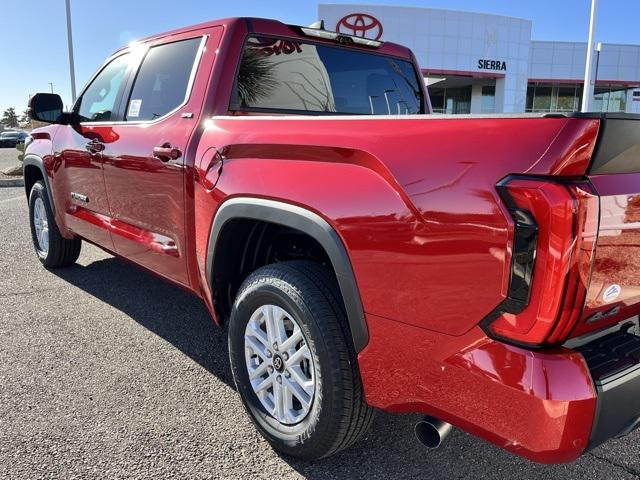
x=47, y=107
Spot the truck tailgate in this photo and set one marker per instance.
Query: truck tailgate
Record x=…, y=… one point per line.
x=614, y=290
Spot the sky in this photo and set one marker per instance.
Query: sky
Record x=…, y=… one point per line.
x=34, y=41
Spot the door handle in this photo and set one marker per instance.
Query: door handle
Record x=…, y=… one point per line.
x=166, y=152
x=95, y=146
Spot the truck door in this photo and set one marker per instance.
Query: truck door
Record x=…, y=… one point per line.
x=146, y=162
x=79, y=147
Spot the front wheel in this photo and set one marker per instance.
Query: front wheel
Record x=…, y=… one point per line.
x=52, y=248
x=293, y=361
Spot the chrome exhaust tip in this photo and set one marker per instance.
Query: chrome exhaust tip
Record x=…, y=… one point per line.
x=432, y=432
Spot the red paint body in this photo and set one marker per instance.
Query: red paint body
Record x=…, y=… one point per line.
x=618, y=250
x=414, y=201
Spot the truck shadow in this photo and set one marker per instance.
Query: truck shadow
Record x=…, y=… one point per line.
x=389, y=449
x=175, y=315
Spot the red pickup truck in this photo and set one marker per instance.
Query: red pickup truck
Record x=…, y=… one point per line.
x=366, y=254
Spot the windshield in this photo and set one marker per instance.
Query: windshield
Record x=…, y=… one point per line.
x=10, y=134
x=293, y=76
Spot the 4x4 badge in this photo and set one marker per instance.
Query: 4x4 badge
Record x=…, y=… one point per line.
x=79, y=197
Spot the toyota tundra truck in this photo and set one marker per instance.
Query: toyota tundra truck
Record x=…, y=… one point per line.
x=366, y=254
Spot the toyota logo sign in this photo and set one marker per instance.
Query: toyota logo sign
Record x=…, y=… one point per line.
x=360, y=25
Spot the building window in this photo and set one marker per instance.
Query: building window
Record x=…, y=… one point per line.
x=450, y=100
x=610, y=98
x=567, y=97
x=553, y=97
x=531, y=92
x=488, y=104
x=436, y=95
x=542, y=98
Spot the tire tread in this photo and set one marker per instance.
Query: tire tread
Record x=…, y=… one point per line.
x=318, y=287
x=62, y=252
x=360, y=419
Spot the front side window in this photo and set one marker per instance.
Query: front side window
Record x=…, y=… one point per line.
x=98, y=102
x=163, y=80
x=286, y=75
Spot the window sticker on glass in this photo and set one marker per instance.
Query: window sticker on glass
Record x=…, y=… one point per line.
x=134, y=108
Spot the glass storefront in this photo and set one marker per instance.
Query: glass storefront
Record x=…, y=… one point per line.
x=450, y=100
x=567, y=97
x=488, y=99
x=454, y=94
x=610, y=99
x=553, y=97
x=461, y=94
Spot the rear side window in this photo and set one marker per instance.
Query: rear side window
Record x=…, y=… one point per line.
x=163, y=80
x=285, y=75
x=99, y=100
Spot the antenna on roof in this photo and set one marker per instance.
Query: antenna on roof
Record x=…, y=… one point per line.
x=319, y=25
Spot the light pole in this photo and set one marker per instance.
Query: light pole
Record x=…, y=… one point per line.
x=587, y=96
x=70, y=47
x=595, y=75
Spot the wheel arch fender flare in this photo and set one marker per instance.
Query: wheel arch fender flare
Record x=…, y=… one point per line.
x=31, y=160
x=310, y=223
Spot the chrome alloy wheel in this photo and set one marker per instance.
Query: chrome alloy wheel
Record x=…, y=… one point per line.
x=41, y=225
x=279, y=364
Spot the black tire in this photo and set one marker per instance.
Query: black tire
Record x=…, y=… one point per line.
x=339, y=414
x=61, y=252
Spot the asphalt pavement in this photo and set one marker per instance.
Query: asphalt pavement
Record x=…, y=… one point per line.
x=107, y=372
x=8, y=158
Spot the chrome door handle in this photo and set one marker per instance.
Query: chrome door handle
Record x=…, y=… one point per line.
x=166, y=152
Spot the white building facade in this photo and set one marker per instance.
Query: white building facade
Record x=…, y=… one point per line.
x=481, y=63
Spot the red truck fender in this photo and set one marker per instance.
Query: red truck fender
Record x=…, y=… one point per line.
x=308, y=222
x=33, y=168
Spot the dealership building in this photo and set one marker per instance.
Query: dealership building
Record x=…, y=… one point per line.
x=481, y=63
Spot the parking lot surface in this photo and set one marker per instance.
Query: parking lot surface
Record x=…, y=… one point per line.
x=8, y=158
x=106, y=371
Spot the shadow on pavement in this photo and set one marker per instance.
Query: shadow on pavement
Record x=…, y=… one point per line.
x=175, y=315
x=389, y=450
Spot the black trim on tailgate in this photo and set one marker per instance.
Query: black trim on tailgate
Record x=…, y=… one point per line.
x=618, y=147
x=614, y=364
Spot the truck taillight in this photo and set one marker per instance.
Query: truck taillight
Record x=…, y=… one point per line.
x=555, y=225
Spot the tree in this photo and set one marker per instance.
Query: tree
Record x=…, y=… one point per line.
x=20, y=148
x=9, y=118
x=255, y=77
x=25, y=121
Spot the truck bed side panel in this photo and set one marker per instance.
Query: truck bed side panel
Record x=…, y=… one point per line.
x=413, y=199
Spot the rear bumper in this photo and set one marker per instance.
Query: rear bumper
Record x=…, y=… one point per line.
x=614, y=364
x=549, y=407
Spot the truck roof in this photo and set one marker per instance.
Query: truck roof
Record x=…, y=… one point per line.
x=267, y=26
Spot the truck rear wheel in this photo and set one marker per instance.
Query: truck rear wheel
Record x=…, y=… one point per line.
x=293, y=361
x=52, y=248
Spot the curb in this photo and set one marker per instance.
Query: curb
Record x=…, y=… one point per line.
x=12, y=182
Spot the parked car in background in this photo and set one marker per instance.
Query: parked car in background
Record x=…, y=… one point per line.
x=484, y=271
x=11, y=138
